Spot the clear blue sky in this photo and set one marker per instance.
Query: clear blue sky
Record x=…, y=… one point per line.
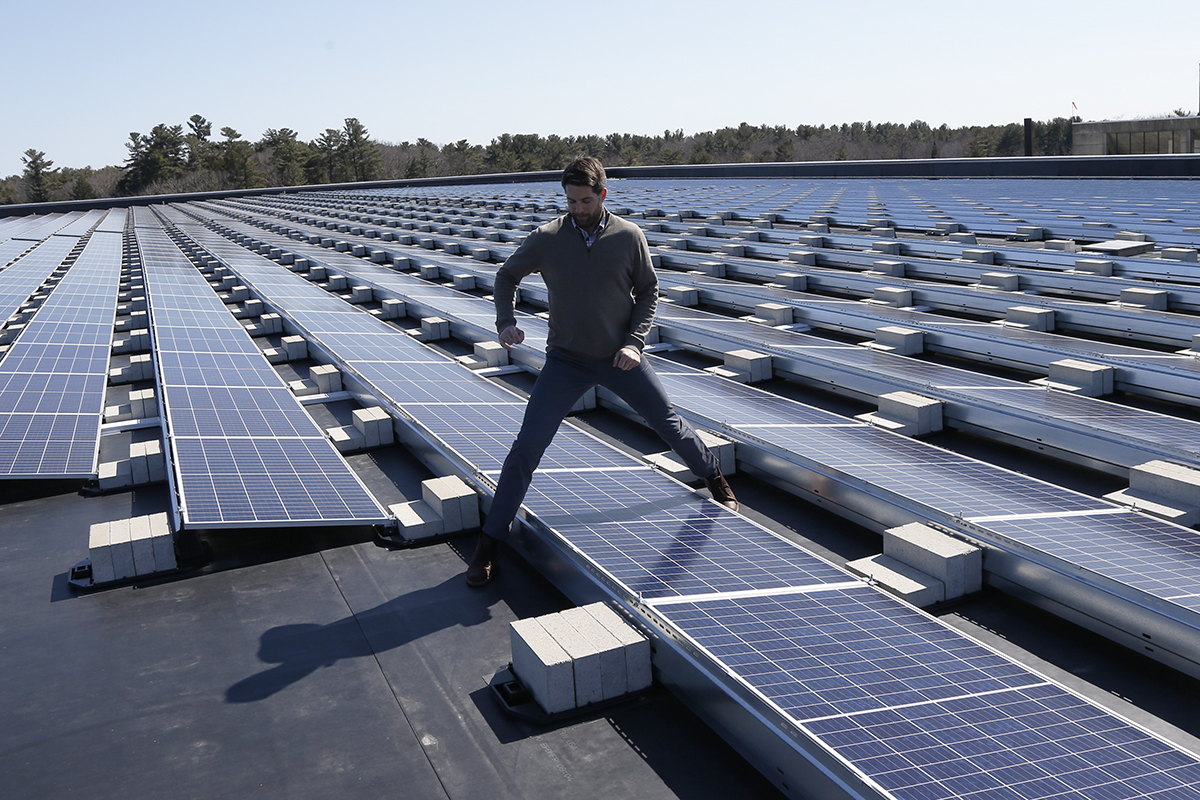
x=79, y=76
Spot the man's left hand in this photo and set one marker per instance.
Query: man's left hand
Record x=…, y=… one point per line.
x=627, y=358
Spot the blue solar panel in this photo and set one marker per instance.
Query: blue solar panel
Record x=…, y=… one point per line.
x=658, y=538
x=268, y=481
x=245, y=451
x=920, y=710
x=1155, y=556
x=49, y=444
x=52, y=380
x=482, y=434
x=823, y=656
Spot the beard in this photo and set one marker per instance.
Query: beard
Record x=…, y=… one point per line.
x=588, y=221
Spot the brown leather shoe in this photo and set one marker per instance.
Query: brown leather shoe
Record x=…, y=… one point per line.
x=482, y=565
x=718, y=487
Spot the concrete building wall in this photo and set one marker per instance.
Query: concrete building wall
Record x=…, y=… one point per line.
x=1137, y=137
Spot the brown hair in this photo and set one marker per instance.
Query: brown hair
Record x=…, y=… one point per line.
x=585, y=171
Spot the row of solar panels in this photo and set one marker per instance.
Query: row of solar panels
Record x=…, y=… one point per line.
x=675, y=542
x=895, y=703
x=1140, y=559
x=1099, y=433
x=1165, y=210
x=814, y=654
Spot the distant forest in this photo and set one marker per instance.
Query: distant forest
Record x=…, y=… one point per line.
x=189, y=158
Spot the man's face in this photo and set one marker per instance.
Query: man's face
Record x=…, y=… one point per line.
x=585, y=205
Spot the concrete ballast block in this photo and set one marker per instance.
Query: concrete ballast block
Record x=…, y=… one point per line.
x=1166, y=490
x=1000, y=280
x=584, y=655
x=892, y=296
x=416, y=519
x=682, y=295
x=542, y=665
x=957, y=564
x=452, y=499
x=979, y=256
x=635, y=645
x=914, y=414
x=1094, y=266
x=773, y=313
x=122, y=549
x=1080, y=377
x=614, y=681
x=493, y=354
x=1037, y=319
x=891, y=269
x=1153, y=299
x=100, y=552
x=901, y=580
x=793, y=281
x=757, y=366
x=327, y=377
x=900, y=340
x=142, y=545
x=163, y=542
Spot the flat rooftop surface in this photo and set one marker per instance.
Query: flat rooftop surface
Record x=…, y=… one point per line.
x=317, y=662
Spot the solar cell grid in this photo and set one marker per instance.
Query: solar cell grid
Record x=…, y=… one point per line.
x=424, y=383
x=70, y=335
x=245, y=451
x=658, y=538
x=26, y=393
x=829, y=652
x=919, y=709
x=482, y=434
x=237, y=411
x=1032, y=743
x=1155, y=556
x=267, y=480
x=36, y=445
x=216, y=339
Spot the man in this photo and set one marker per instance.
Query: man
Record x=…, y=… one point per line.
x=603, y=293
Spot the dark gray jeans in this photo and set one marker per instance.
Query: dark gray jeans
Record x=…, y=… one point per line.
x=559, y=386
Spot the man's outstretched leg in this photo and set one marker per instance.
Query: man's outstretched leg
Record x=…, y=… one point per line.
x=641, y=389
x=559, y=386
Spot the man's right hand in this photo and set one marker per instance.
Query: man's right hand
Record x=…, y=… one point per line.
x=511, y=336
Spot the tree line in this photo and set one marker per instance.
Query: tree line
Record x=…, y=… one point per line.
x=188, y=158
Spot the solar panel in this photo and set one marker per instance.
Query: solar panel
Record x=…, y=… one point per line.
x=658, y=538
x=847, y=665
x=940, y=483
x=244, y=450
x=920, y=710
x=54, y=376
x=1132, y=549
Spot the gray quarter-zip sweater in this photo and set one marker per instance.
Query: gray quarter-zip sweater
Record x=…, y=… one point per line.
x=601, y=299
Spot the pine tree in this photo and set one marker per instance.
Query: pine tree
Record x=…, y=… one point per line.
x=37, y=175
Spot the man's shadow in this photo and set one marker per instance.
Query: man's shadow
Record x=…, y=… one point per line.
x=300, y=650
